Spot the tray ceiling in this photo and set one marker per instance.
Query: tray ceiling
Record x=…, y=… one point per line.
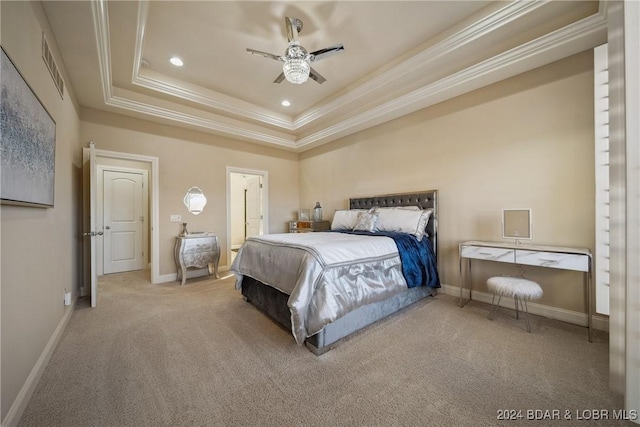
x=399, y=57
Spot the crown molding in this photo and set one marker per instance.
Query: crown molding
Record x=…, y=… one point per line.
x=492, y=22
x=141, y=28
x=568, y=40
x=199, y=95
x=217, y=101
x=507, y=14
x=554, y=46
x=101, y=31
x=217, y=126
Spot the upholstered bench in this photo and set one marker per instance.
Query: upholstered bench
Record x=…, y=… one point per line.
x=521, y=290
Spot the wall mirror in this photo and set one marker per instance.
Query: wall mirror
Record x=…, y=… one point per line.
x=195, y=200
x=516, y=224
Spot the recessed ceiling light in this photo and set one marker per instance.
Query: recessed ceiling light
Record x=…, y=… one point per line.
x=286, y=103
x=176, y=61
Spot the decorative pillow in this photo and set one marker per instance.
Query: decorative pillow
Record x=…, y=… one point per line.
x=399, y=220
x=406, y=208
x=422, y=224
x=345, y=219
x=366, y=221
x=404, y=221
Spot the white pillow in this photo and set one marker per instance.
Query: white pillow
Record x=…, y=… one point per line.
x=404, y=221
x=400, y=220
x=366, y=221
x=345, y=219
x=406, y=208
x=422, y=225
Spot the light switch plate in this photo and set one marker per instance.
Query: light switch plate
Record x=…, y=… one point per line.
x=176, y=218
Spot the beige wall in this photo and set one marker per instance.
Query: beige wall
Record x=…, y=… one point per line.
x=526, y=142
x=41, y=248
x=188, y=158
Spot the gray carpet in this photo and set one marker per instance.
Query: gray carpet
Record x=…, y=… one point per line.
x=167, y=355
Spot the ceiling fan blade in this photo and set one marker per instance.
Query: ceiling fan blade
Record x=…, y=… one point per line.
x=316, y=76
x=279, y=79
x=265, y=54
x=294, y=26
x=326, y=52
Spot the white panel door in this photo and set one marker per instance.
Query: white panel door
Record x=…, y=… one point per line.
x=90, y=213
x=254, y=206
x=123, y=221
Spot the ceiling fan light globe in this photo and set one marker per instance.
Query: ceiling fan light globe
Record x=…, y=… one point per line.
x=296, y=70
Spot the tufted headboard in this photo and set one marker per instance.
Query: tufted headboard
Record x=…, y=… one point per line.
x=423, y=199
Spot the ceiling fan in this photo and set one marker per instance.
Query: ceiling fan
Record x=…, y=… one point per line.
x=297, y=61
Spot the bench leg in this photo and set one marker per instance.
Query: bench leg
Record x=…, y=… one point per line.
x=494, y=308
x=526, y=312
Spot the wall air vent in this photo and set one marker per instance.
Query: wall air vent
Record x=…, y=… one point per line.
x=51, y=65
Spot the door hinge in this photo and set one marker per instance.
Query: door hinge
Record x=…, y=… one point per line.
x=260, y=185
x=142, y=219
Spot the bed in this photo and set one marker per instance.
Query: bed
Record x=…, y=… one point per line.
x=325, y=286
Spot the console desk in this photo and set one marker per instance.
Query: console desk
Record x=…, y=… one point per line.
x=576, y=259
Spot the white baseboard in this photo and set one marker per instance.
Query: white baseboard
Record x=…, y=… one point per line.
x=22, y=399
x=164, y=278
x=172, y=277
x=574, y=317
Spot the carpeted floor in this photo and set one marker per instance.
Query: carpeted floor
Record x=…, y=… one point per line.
x=165, y=355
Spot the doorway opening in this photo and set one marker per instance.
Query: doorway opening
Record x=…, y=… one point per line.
x=116, y=159
x=246, y=207
x=122, y=215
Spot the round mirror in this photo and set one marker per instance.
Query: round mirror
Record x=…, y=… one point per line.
x=195, y=200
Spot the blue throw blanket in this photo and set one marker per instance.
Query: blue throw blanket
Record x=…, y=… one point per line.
x=418, y=260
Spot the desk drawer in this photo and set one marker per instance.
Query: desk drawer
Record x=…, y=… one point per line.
x=577, y=262
x=489, y=254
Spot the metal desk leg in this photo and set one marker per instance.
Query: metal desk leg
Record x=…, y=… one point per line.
x=461, y=282
x=462, y=302
x=589, y=313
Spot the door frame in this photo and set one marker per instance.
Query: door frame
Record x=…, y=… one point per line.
x=100, y=213
x=154, y=207
x=265, y=202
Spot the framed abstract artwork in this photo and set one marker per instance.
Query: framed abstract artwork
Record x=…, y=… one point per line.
x=27, y=142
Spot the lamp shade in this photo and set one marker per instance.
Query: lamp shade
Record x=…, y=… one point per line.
x=297, y=65
x=296, y=70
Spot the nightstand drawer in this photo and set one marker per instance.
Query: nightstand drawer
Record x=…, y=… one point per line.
x=559, y=260
x=489, y=254
x=306, y=226
x=200, y=245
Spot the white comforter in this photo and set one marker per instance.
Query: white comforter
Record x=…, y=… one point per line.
x=326, y=275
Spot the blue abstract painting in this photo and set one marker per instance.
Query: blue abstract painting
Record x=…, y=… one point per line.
x=28, y=141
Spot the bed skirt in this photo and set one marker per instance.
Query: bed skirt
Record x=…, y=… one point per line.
x=274, y=303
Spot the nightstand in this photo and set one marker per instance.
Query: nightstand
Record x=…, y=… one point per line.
x=197, y=250
x=306, y=226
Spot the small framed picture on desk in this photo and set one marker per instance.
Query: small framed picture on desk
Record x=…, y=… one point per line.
x=516, y=224
x=303, y=215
